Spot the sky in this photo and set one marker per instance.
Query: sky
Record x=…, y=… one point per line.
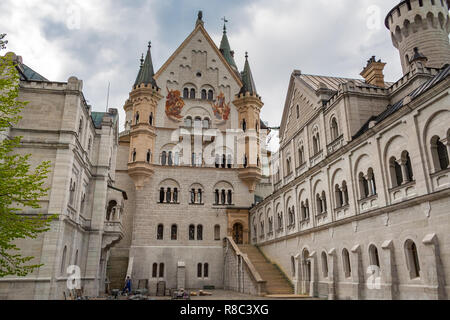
x=101, y=41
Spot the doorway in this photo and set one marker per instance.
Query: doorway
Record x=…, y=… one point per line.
x=238, y=233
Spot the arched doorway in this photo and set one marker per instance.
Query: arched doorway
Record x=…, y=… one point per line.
x=238, y=233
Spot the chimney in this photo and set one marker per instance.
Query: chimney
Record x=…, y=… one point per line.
x=373, y=72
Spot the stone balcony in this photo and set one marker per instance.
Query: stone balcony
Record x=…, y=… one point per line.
x=342, y=212
x=403, y=192
x=316, y=158
x=113, y=233
x=322, y=218
x=335, y=145
x=441, y=179
x=305, y=224
x=301, y=169
x=367, y=204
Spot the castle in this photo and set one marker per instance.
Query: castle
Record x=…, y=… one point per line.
x=352, y=206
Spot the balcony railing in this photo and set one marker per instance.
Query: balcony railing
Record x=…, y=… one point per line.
x=316, y=158
x=335, y=145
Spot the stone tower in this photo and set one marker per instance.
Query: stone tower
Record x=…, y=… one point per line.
x=249, y=105
x=422, y=24
x=142, y=106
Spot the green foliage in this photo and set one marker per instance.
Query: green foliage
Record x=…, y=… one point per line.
x=20, y=187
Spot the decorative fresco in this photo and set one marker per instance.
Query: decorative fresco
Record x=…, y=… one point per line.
x=174, y=105
x=221, y=108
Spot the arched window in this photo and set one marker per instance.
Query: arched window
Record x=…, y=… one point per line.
x=217, y=161
x=298, y=111
x=229, y=161
x=230, y=197
x=396, y=172
x=217, y=232
x=169, y=195
x=412, y=259
x=301, y=155
x=210, y=95
x=203, y=94
x=440, y=154
x=339, y=197
x=346, y=263
x=63, y=261
x=188, y=122
x=374, y=259
x=205, y=123
x=72, y=188
x=154, y=270
x=206, y=270
x=244, y=125
x=193, y=159
x=174, y=232
x=223, y=197
x=324, y=265
x=161, y=195
x=199, y=232
x=192, y=94
x=149, y=156
x=216, y=197
x=164, y=158
x=191, y=232
x=200, y=196
x=134, y=155
x=409, y=171
x=224, y=161
x=199, y=270
x=136, y=118
x=334, y=129
x=372, y=185
x=170, y=161
x=160, y=232
x=150, y=120
x=80, y=128
x=186, y=93
x=319, y=204
x=193, y=196
x=177, y=159
x=197, y=122
x=161, y=270
x=363, y=186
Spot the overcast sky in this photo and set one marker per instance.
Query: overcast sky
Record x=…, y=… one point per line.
x=101, y=41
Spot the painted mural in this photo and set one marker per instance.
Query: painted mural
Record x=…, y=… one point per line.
x=221, y=108
x=174, y=105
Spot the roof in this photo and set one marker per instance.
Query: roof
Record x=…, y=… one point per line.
x=247, y=79
x=97, y=118
x=391, y=109
x=333, y=82
x=146, y=71
x=225, y=49
x=28, y=74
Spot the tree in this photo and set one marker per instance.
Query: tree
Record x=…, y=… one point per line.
x=20, y=187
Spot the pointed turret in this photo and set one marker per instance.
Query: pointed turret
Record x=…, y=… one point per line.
x=248, y=105
x=247, y=79
x=225, y=49
x=146, y=71
x=141, y=108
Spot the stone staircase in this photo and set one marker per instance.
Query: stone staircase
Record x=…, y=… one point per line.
x=276, y=282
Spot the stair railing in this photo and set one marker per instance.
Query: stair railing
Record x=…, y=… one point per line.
x=244, y=270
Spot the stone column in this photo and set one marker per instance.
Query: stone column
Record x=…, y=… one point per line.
x=299, y=270
x=402, y=164
x=387, y=269
x=314, y=277
x=433, y=269
x=332, y=274
x=357, y=272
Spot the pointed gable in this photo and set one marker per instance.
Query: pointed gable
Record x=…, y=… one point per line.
x=200, y=29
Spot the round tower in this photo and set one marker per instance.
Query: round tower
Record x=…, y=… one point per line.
x=423, y=24
x=142, y=107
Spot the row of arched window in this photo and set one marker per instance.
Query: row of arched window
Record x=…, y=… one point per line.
x=223, y=197
x=224, y=161
x=137, y=118
x=194, y=232
x=168, y=195
x=191, y=93
x=197, y=122
x=411, y=256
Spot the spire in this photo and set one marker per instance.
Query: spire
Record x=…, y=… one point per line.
x=146, y=71
x=247, y=79
x=225, y=47
x=199, y=18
